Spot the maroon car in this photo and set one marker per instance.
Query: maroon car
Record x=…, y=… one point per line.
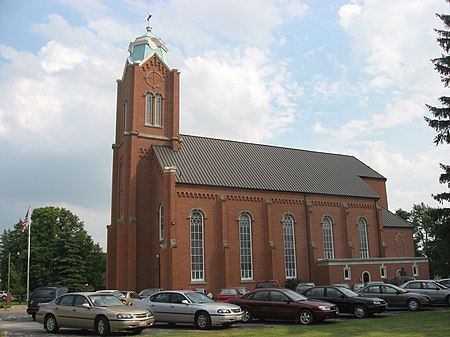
x=225, y=294
x=283, y=304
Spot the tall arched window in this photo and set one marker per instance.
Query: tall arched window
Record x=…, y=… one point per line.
x=289, y=247
x=245, y=244
x=148, y=108
x=327, y=227
x=197, y=247
x=161, y=222
x=158, y=110
x=362, y=233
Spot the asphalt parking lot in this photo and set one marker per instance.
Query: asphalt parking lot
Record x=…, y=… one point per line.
x=17, y=323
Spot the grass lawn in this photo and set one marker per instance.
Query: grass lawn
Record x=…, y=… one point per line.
x=432, y=322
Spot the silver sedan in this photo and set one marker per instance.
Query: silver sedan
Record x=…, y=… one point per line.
x=439, y=293
x=190, y=307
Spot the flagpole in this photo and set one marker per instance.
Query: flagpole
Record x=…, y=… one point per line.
x=28, y=264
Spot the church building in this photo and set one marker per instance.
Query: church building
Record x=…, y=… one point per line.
x=197, y=212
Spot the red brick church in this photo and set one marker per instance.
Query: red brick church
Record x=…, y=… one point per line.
x=198, y=212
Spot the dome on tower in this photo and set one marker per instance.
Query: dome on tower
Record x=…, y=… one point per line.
x=145, y=46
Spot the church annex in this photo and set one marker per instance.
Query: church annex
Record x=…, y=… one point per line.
x=198, y=212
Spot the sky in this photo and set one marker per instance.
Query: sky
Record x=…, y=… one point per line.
x=340, y=76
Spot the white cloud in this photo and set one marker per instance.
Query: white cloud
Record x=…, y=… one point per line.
x=348, y=13
x=237, y=94
x=396, y=38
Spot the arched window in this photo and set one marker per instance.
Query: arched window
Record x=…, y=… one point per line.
x=148, y=108
x=245, y=244
x=289, y=247
x=158, y=110
x=161, y=222
x=362, y=233
x=197, y=246
x=328, y=247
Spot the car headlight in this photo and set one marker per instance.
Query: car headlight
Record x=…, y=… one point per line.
x=376, y=302
x=124, y=316
x=324, y=308
x=224, y=311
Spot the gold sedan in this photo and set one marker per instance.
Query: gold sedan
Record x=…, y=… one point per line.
x=103, y=313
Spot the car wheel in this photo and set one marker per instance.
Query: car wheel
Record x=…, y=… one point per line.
x=247, y=316
x=360, y=311
x=202, y=320
x=413, y=304
x=50, y=324
x=305, y=317
x=102, y=326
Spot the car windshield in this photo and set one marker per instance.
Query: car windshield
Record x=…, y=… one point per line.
x=104, y=300
x=196, y=297
x=348, y=292
x=228, y=292
x=44, y=293
x=440, y=286
x=295, y=296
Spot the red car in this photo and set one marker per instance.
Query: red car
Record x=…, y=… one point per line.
x=283, y=304
x=225, y=294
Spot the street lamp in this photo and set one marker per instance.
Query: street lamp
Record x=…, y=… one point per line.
x=8, y=294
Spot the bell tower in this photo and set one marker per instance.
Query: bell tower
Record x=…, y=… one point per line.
x=147, y=114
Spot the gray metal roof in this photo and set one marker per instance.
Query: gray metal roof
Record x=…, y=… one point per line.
x=225, y=163
x=390, y=219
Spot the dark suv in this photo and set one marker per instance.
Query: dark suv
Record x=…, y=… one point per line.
x=43, y=295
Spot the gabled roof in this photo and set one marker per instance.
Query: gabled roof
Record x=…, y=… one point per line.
x=390, y=219
x=225, y=163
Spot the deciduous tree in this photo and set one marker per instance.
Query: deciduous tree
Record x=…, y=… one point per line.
x=61, y=251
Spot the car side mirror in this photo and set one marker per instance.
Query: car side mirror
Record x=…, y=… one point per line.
x=342, y=297
x=185, y=301
x=86, y=305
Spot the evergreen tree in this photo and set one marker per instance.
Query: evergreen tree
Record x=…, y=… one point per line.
x=441, y=115
x=62, y=252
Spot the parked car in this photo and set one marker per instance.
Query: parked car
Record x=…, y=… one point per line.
x=116, y=293
x=347, y=301
x=130, y=296
x=399, y=280
x=224, y=295
x=186, y=306
x=283, y=304
x=357, y=286
x=444, y=282
x=3, y=295
x=439, y=293
x=267, y=284
x=396, y=296
x=43, y=295
x=100, y=312
x=148, y=292
x=343, y=285
x=242, y=290
x=301, y=287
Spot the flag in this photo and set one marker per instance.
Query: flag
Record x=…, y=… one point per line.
x=25, y=221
